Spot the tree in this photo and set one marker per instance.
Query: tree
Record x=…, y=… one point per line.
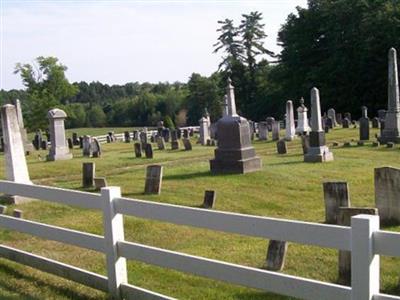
x=47, y=87
x=96, y=117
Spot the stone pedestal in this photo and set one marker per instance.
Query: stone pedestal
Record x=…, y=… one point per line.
x=59, y=149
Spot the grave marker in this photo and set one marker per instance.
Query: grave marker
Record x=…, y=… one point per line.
x=153, y=183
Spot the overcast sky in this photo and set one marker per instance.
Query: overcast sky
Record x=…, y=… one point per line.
x=116, y=42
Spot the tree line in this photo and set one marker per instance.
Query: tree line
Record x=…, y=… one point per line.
x=339, y=46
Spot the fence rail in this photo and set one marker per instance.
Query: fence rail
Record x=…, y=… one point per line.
x=364, y=239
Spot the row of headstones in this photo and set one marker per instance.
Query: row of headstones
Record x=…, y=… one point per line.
x=147, y=148
x=338, y=211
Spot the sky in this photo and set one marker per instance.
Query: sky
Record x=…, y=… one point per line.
x=120, y=41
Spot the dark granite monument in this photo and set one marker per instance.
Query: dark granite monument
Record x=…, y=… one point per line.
x=234, y=154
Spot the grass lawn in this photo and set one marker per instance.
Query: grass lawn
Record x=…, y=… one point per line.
x=284, y=188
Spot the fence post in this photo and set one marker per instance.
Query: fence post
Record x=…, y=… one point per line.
x=113, y=232
x=364, y=263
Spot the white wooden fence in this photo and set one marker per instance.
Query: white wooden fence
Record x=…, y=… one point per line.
x=364, y=239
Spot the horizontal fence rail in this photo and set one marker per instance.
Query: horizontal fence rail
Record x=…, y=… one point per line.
x=337, y=237
x=363, y=239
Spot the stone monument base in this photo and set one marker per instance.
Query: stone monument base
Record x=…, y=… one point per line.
x=53, y=157
x=318, y=154
x=235, y=167
x=389, y=136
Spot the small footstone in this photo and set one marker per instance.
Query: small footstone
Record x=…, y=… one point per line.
x=138, y=149
x=281, y=147
x=390, y=145
x=100, y=182
x=153, y=179
x=209, y=199
x=148, y=151
x=276, y=255
x=17, y=213
x=3, y=209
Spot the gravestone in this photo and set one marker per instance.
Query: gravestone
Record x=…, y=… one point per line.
x=70, y=144
x=160, y=127
x=179, y=133
x=88, y=174
x=185, y=133
x=387, y=194
x=187, y=144
x=148, y=150
x=16, y=169
x=17, y=213
x=332, y=115
x=87, y=146
x=375, y=122
x=108, y=139
x=305, y=143
x=391, y=132
x=127, y=137
x=328, y=123
x=143, y=139
x=290, y=132
x=96, y=148
x=75, y=139
x=100, y=182
x=135, y=136
x=318, y=151
x=209, y=199
x=175, y=145
x=174, y=135
x=213, y=131
x=281, y=147
x=346, y=123
x=347, y=115
x=44, y=145
x=235, y=153
x=336, y=194
x=154, y=175
x=302, y=119
x=204, y=130
x=344, y=219
x=276, y=255
x=275, y=131
x=166, y=134
x=111, y=136
x=263, y=131
x=339, y=118
x=270, y=121
x=160, y=143
x=326, y=129
x=81, y=142
x=138, y=149
x=389, y=145
x=364, y=124
x=37, y=141
x=59, y=149
x=3, y=209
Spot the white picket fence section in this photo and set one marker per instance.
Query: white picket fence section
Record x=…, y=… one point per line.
x=364, y=239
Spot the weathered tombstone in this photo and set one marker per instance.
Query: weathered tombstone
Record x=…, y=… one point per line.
x=17, y=213
x=276, y=255
x=305, y=143
x=375, y=123
x=87, y=145
x=179, y=133
x=290, y=132
x=58, y=150
x=70, y=144
x=391, y=132
x=148, y=150
x=160, y=143
x=187, y=144
x=347, y=115
x=37, y=141
x=44, y=145
x=108, y=139
x=204, y=130
x=364, y=124
x=127, y=137
x=174, y=135
x=88, y=174
x=175, y=145
x=135, y=135
x=328, y=124
x=387, y=194
x=275, y=131
x=16, y=169
x=339, y=118
x=318, y=151
x=166, y=134
x=143, y=139
x=302, y=119
x=81, y=142
x=154, y=175
x=100, y=182
x=336, y=194
x=111, y=136
x=234, y=154
x=270, y=121
x=281, y=147
x=96, y=148
x=326, y=129
x=381, y=114
x=344, y=219
x=346, y=123
x=75, y=139
x=185, y=133
x=263, y=131
x=138, y=149
x=332, y=115
x=209, y=199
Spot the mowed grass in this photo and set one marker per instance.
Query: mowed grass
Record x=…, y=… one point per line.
x=284, y=188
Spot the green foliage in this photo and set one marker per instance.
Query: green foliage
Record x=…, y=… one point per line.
x=168, y=123
x=96, y=117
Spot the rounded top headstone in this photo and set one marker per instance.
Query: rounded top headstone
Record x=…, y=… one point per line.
x=56, y=113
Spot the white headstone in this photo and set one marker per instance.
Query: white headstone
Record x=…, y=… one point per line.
x=302, y=119
x=59, y=149
x=204, y=131
x=290, y=130
x=332, y=115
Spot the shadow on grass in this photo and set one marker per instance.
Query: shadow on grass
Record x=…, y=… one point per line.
x=20, y=275
x=186, y=176
x=286, y=163
x=393, y=289
x=261, y=296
